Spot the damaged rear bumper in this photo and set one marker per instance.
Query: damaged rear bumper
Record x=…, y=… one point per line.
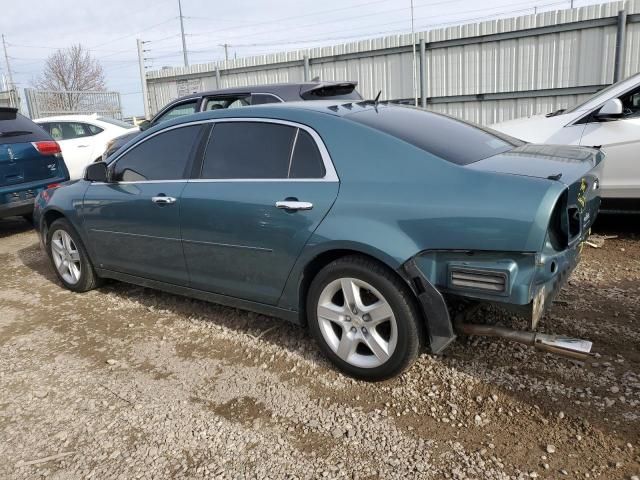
x=525, y=284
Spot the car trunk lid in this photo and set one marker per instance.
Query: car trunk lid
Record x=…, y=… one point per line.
x=578, y=168
x=23, y=163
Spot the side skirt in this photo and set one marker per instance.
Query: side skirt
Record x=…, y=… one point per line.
x=289, y=315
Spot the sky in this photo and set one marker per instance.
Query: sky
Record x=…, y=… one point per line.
x=35, y=29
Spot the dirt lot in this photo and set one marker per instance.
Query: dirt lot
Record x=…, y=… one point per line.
x=125, y=382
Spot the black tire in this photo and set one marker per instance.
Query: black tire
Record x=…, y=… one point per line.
x=88, y=280
x=399, y=298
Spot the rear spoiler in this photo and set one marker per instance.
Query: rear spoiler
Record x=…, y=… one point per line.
x=322, y=89
x=8, y=113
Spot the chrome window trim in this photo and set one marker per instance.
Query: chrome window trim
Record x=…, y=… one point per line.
x=330, y=172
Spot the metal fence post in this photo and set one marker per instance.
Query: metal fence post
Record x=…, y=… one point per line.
x=306, y=68
x=217, y=77
x=423, y=73
x=621, y=40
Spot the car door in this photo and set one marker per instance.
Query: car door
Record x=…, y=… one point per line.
x=133, y=221
x=620, y=140
x=263, y=188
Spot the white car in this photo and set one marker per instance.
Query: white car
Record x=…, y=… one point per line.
x=610, y=119
x=83, y=138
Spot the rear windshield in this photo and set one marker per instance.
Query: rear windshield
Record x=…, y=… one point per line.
x=16, y=128
x=453, y=140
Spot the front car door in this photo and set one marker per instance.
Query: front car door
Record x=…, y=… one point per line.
x=133, y=222
x=263, y=188
x=620, y=140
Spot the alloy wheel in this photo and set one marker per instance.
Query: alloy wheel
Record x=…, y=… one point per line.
x=66, y=257
x=357, y=322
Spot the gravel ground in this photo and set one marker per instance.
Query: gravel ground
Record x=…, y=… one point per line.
x=125, y=382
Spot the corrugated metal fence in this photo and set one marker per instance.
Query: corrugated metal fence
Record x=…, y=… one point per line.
x=483, y=72
x=47, y=103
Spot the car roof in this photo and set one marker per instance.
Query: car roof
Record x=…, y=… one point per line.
x=286, y=91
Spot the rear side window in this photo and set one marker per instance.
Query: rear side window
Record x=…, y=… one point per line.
x=450, y=139
x=248, y=150
x=306, y=161
x=164, y=156
x=16, y=128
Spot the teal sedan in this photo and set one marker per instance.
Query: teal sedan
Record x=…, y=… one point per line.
x=363, y=221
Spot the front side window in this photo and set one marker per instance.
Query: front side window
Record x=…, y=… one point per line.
x=248, y=150
x=631, y=104
x=186, y=108
x=165, y=156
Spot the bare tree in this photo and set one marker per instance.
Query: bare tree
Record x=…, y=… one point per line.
x=71, y=70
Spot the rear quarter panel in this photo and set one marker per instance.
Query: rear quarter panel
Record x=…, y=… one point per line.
x=396, y=200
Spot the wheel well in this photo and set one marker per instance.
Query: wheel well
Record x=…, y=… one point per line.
x=48, y=218
x=321, y=261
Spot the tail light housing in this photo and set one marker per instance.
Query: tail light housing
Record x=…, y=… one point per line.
x=47, y=147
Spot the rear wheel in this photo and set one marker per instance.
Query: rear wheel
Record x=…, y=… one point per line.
x=69, y=257
x=364, y=318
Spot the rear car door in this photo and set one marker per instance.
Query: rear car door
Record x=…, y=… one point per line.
x=133, y=222
x=263, y=188
x=29, y=161
x=620, y=140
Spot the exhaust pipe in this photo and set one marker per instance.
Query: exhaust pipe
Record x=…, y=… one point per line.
x=559, y=345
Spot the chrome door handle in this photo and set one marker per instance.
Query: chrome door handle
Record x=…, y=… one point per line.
x=294, y=205
x=163, y=200
x=83, y=146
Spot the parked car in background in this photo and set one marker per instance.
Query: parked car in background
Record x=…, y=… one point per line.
x=353, y=218
x=610, y=120
x=83, y=138
x=30, y=162
x=242, y=97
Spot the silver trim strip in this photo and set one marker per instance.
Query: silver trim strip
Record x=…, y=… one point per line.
x=330, y=172
x=293, y=149
x=227, y=245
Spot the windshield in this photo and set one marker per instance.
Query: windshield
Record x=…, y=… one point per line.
x=631, y=81
x=451, y=139
x=113, y=121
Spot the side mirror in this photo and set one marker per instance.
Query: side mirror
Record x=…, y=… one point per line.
x=144, y=125
x=96, y=172
x=610, y=110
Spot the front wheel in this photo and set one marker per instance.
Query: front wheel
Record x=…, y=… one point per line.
x=364, y=318
x=69, y=257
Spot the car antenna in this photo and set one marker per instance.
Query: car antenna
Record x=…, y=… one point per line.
x=375, y=100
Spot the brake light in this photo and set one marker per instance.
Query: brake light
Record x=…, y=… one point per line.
x=47, y=147
x=53, y=185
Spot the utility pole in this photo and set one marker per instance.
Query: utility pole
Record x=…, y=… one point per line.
x=143, y=78
x=12, y=86
x=184, y=43
x=226, y=51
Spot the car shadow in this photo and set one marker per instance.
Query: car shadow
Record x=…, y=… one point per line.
x=13, y=225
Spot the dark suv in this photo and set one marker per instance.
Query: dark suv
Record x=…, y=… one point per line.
x=30, y=161
x=241, y=97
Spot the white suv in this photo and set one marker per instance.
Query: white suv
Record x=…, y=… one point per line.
x=609, y=119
